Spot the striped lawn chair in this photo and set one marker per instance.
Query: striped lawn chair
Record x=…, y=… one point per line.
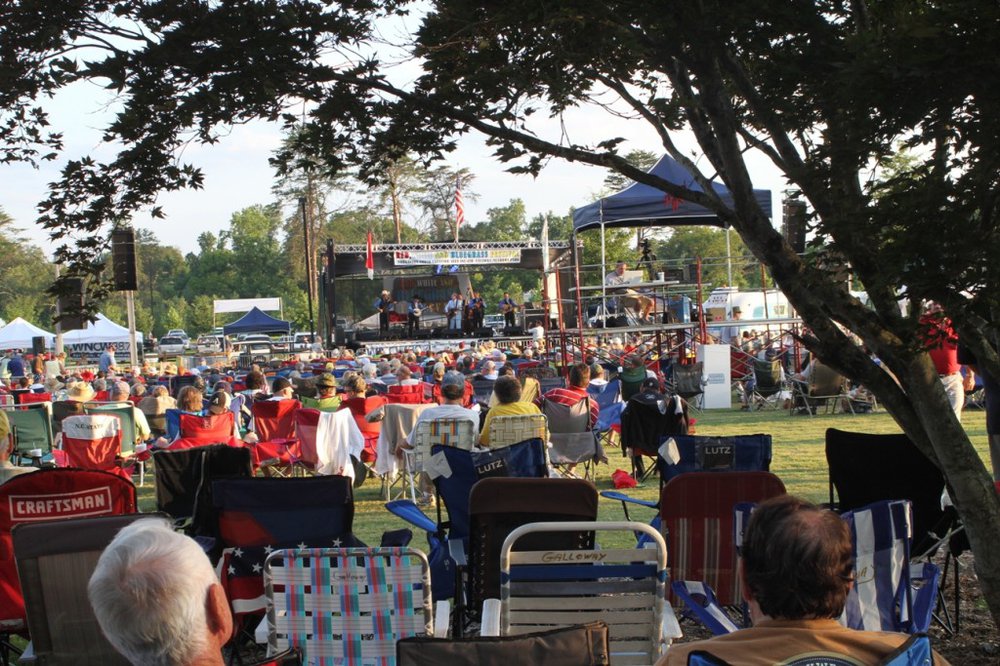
x=459, y=433
x=348, y=605
x=508, y=430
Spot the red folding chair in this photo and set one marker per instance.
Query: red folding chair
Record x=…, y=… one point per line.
x=360, y=407
x=306, y=421
x=411, y=394
x=49, y=495
x=92, y=441
x=29, y=398
x=277, y=447
x=198, y=430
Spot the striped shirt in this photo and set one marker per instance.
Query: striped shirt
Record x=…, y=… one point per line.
x=569, y=397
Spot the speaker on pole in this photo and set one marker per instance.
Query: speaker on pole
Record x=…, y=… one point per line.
x=794, y=216
x=123, y=259
x=38, y=345
x=70, y=305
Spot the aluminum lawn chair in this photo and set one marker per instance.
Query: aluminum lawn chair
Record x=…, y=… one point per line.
x=508, y=430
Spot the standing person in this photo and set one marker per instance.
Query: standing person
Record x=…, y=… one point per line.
x=508, y=307
x=991, y=391
x=941, y=342
x=16, y=365
x=797, y=568
x=414, y=310
x=56, y=367
x=453, y=310
x=478, y=310
x=106, y=363
x=383, y=304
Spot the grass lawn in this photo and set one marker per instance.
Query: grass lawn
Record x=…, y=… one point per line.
x=798, y=459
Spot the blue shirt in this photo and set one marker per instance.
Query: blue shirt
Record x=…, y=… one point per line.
x=16, y=366
x=107, y=360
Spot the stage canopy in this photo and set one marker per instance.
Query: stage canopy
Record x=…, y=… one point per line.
x=257, y=321
x=244, y=305
x=18, y=334
x=640, y=205
x=101, y=331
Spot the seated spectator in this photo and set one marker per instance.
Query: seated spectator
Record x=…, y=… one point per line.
x=7, y=469
x=597, y=375
x=326, y=393
x=281, y=389
x=489, y=371
x=256, y=385
x=508, y=392
x=579, y=379
x=190, y=400
x=79, y=392
x=120, y=392
x=405, y=377
x=157, y=599
x=137, y=393
x=796, y=571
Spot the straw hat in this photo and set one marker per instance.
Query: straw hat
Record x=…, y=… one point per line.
x=81, y=392
x=53, y=384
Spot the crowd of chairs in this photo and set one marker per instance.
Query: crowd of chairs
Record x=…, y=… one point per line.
x=512, y=553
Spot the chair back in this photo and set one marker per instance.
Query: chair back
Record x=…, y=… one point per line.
x=866, y=468
x=258, y=515
x=172, y=417
x=569, y=432
x=51, y=495
x=361, y=407
x=411, y=394
x=125, y=415
x=546, y=384
x=508, y=430
x=696, y=511
x=825, y=381
x=92, y=441
x=32, y=428
x=275, y=419
x=607, y=394
x=881, y=598
x=458, y=433
x=688, y=379
x=347, y=605
x=696, y=453
x=648, y=417
x=176, y=382
x=55, y=560
x=483, y=389
x=321, y=404
x=624, y=588
x=183, y=481
x=631, y=381
x=499, y=505
x=208, y=429
x=567, y=419
x=767, y=375
x=31, y=398
x=581, y=645
x=306, y=422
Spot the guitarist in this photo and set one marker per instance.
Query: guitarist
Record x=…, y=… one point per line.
x=384, y=304
x=453, y=310
x=476, y=310
x=508, y=307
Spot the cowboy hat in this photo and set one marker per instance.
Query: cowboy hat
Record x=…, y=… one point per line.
x=81, y=392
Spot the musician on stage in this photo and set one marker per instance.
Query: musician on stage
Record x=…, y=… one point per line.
x=508, y=307
x=453, y=310
x=477, y=309
x=643, y=305
x=383, y=304
x=414, y=310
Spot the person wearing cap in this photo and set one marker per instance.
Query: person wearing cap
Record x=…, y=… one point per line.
x=414, y=310
x=452, y=395
x=326, y=399
x=281, y=389
x=383, y=304
x=77, y=393
x=7, y=469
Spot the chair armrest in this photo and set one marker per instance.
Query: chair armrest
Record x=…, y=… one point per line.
x=260, y=633
x=409, y=512
x=28, y=656
x=456, y=548
x=442, y=618
x=491, y=618
x=670, y=626
x=622, y=497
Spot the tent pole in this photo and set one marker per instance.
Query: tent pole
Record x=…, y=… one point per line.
x=604, y=263
x=133, y=355
x=729, y=261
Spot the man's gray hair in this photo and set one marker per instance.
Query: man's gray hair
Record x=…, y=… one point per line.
x=149, y=593
x=118, y=389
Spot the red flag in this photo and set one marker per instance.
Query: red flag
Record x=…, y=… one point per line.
x=459, y=205
x=370, y=258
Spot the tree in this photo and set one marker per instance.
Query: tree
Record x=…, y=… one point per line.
x=823, y=90
x=437, y=199
x=709, y=243
x=640, y=159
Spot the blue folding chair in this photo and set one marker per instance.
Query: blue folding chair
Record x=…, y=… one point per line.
x=173, y=419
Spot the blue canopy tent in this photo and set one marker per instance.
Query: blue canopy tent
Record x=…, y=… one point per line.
x=257, y=321
x=641, y=205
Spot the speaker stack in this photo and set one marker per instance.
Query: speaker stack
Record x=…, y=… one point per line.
x=513, y=330
x=70, y=305
x=123, y=259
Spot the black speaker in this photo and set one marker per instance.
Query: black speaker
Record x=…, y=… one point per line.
x=339, y=336
x=513, y=330
x=38, y=345
x=366, y=336
x=123, y=259
x=70, y=305
x=484, y=332
x=794, y=218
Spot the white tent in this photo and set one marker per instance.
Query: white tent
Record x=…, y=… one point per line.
x=101, y=332
x=18, y=334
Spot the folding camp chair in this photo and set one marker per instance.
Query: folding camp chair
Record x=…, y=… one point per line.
x=93, y=441
x=824, y=385
x=508, y=430
x=631, y=381
x=767, y=387
x=482, y=390
x=51, y=495
x=578, y=645
x=688, y=381
x=573, y=442
x=330, y=443
x=460, y=433
x=183, y=482
x=63, y=408
x=258, y=515
x=55, y=560
x=454, y=472
x=499, y=505
x=398, y=421
x=274, y=424
x=696, y=514
x=172, y=420
x=360, y=408
x=30, y=398
x=546, y=585
x=647, y=418
x=411, y=394
x=698, y=453
x=32, y=429
x=348, y=605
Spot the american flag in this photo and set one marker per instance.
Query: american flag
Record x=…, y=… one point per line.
x=459, y=205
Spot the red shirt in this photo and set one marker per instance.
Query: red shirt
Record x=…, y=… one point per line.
x=569, y=397
x=941, y=343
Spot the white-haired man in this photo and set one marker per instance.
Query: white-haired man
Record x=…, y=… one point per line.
x=157, y=599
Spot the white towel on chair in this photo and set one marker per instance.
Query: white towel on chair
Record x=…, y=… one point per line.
x=337, y=439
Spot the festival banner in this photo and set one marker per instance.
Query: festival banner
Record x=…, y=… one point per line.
x=456, y=257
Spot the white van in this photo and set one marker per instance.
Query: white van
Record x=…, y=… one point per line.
x=754, y=305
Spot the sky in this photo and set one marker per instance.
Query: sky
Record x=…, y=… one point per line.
x=237, y=173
